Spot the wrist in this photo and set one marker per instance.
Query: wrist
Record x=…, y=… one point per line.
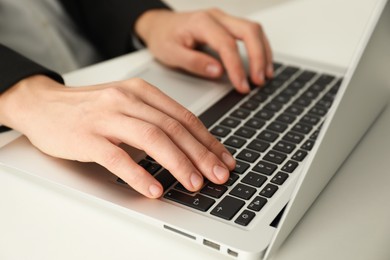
x=18, y=101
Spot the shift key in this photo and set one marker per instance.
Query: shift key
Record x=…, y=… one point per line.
x=198, y=201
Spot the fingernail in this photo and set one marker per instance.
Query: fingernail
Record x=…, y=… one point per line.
x=245, y=85
x=196, y=180
x=228, y=159
x=220, y=172
x=212, y=70
x=155, y=190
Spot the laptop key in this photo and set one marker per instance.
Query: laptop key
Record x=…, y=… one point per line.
x=241, y=167
x=232, y=179
x=235, y=142
x=255, y=123
x=302, y=128
x=293, y=137
x=295, y=110
x=213, y=190
x=303, y=102
x=264, y=114
x=245, y=132
x=243, y=191
x=228, y=207
x=299, y=155
x=319, y=111
x=230, y=122
x=308, y=145
x=274, y=106
x=324, y=79
x=144, y=163
x=180, y=187
x=290, y=166
x=250, y=105
x=254, y=179
x=258, y=145
x=166, y=179
x=277, y=127
x=259, y=97
x=153, y=168
x=279, y=178
x=269, y=190
x=198, y=201
x=268, y=136
x=310, y=119
x=284, y=147
x=240, y=113
x=245, y=218
x=265, y=168
x=306, y=76
x=257, y=203
x=248, y=156
x=220, y=131
x=286, y=118
x=275, y=157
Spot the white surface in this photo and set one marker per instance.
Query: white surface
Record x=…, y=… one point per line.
x=348, y=221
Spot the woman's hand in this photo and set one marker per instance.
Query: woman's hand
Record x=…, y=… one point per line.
x=87, y=124
x=173, y=39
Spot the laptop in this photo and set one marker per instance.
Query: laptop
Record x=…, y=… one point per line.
x=289, y=139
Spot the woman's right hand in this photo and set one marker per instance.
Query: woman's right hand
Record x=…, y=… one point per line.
x=87, y=124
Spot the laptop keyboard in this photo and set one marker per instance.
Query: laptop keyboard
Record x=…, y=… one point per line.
x=269, y=132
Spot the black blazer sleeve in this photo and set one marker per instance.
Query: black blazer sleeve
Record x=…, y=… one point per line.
x=14, y=67
x=108, y=24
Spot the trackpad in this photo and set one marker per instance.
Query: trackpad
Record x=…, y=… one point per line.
x=194, y=93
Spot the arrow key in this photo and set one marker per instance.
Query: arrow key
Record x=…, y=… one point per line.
x=227, y=208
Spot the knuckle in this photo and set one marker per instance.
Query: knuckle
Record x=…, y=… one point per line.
x=173, y=127
x=138, y=82
x=200, y=15
x=113, y=159
x=190, y=119
x=215, y=10
x=254, y=28
x=140, y=85
x=152, y=134
x=214, y=144
x=203, y=154
x=113, y=95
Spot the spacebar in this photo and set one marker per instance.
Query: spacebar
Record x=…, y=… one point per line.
x=216, y=111
x=197, y=202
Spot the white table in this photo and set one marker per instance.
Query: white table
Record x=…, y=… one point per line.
x=348, y=221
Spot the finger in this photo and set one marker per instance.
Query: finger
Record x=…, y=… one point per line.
x=268, y=52
x=157, y=99
x=157, y=144
x=195, y=62
x=201, y=157
x=210, y=32
x=119, y=163
x=257, y=44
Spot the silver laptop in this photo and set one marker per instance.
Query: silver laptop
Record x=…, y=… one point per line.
x=289, y=139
